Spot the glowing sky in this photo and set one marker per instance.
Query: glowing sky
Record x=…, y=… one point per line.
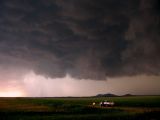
x=40, y=86
x=79, y=47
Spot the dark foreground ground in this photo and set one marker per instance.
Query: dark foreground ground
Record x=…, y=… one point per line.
x=126, y=108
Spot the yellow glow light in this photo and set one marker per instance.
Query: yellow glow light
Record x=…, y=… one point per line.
x=11, y=94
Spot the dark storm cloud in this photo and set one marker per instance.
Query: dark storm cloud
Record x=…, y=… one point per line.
x=143, y=35
x=88, y=39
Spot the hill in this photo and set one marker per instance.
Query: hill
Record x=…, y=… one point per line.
x=106, y=95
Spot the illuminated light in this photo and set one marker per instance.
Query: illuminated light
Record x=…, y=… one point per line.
x=40, y=86
x=11, y=94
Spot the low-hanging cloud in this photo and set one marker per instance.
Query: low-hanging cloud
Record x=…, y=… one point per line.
x=87, y=39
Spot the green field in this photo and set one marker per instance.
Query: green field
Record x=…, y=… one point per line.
x=126, y=108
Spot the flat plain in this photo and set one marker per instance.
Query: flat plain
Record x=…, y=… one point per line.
x=71, y=108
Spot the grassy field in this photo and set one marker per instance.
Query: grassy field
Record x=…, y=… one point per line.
x=126, y=108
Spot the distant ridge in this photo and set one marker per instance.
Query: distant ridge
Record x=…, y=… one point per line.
x=106, y=95
x=113, y=95
x=127, y=95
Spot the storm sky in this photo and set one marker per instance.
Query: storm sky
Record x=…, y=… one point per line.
x=79, y=47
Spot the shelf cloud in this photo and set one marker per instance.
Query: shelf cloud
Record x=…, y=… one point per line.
x=87, y=39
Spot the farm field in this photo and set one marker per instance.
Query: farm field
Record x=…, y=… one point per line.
x=126, y=108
